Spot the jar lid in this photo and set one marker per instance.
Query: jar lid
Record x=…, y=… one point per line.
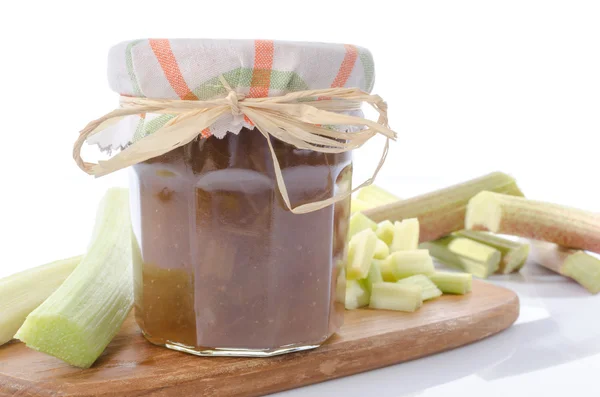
x=305, y=94
x=189, y=68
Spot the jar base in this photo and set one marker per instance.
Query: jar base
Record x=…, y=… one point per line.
x=230, y=352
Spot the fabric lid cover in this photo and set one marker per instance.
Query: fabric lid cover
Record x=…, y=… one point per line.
x=190, y=68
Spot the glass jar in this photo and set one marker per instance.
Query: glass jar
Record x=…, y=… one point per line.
x=222, y=267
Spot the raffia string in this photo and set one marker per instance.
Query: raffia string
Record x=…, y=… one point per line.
x=296, y=118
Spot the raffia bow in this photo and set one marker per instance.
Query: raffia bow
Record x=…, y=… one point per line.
x=296, y=118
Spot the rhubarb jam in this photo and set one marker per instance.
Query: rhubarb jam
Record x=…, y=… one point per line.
x=222, y=266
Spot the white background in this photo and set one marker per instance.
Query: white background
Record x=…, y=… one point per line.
x=472, y=86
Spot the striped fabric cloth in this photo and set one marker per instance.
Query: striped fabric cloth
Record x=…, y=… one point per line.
x=189, y=69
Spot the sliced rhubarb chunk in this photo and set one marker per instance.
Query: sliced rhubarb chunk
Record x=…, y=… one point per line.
x=428, y=289
x=408, y=263
x=385, y=232
x=452, y=283
x=358, y=223
x=381, y=250
x=357, y=294
x=394, y=296
x=514, y=253
x=406, y=235
x=360, y=254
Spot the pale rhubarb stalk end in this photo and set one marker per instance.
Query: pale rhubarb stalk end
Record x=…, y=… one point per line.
x=443, y=211
x=517, y=216
x=582, y=267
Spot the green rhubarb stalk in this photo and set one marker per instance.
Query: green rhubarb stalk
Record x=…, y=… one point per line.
x=514, y=254
x=82, y=316
x=428, y=289
x=394, y=296
x=21, y=293
x=452, y=283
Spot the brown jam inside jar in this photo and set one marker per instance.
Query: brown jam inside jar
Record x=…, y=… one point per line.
x=220, y=261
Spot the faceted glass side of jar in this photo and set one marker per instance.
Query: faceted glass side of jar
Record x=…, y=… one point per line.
x=222, y=267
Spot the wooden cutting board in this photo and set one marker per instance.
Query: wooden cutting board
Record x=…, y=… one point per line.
x=369, y=339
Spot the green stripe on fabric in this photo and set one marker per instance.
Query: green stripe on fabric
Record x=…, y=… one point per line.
x=151, y=126
x=287, y=81
x=242, y=77
x=369, y=67
x=130, y=71
x=139, y=130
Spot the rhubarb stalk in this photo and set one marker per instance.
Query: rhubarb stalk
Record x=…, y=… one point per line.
x=82, y=316
x=443, y=211
x=21, y=293
x=517, y=216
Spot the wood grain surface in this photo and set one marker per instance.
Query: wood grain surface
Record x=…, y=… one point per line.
x=369, y=339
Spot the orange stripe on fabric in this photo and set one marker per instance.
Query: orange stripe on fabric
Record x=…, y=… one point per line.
x=346, y=67
x=170, y=67
x=247, y=120
x=263, y=63
x=206, y=133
